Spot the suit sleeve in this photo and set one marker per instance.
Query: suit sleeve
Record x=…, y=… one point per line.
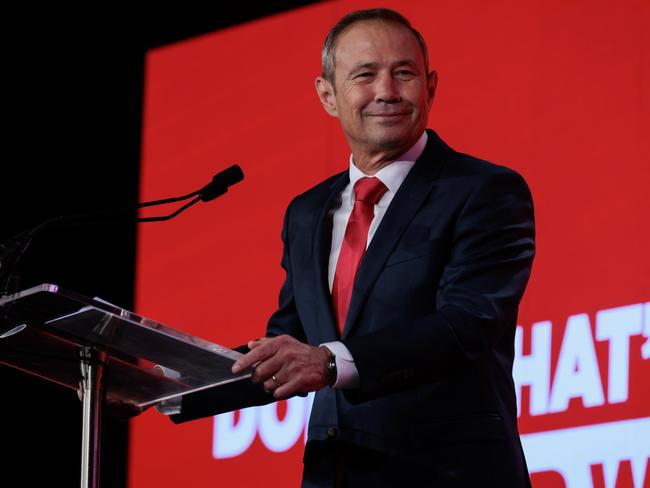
x=493, y=245
x=285, y=319
x=243, y=394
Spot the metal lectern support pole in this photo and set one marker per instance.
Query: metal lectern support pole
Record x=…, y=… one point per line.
x=92, y=385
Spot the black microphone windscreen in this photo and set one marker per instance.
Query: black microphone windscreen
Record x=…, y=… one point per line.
x=228, y=176
x=220, y=183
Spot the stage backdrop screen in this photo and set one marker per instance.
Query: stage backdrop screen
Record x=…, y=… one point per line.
x=557, y=90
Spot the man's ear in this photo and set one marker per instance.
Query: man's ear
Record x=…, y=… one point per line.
x=432, y=83
x=325, y=92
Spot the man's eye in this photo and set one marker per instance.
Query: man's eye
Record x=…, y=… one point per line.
x=364, y=75
x=405, y=73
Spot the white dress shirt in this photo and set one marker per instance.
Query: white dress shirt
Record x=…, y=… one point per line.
x=392, y=176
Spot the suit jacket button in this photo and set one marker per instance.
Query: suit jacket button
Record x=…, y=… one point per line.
x=331, y=432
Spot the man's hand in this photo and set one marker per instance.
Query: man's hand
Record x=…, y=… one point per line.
x=122, y=409
x=285, y=366
x=118, y=409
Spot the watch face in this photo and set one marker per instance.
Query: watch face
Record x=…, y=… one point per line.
x=331, y=370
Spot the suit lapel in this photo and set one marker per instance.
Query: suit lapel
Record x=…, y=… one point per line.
x=407, y=201
x=321, y=252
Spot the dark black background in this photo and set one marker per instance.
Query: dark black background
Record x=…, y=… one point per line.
x=72, y=116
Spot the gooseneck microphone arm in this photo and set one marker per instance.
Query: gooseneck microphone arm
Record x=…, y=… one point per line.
x=12, y=250
x=217, y=187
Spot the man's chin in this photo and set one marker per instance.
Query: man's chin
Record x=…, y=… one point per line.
x=394, y=138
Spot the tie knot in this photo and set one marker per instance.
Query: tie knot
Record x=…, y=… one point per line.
x=369, y=190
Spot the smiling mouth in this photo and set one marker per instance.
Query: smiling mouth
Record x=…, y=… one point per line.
x=399, y=114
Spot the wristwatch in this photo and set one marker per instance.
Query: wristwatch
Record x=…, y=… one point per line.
x=332, y=372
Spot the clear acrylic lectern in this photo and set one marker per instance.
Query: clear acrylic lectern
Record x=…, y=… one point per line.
x=108, y=352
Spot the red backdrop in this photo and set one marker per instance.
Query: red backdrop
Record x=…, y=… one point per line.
x=557, y=90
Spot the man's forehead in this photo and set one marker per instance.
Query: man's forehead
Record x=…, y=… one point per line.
x=357, y=44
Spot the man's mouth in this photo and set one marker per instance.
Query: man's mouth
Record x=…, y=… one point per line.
x=388, y=115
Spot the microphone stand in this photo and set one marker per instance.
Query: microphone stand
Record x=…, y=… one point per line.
x=12, y=250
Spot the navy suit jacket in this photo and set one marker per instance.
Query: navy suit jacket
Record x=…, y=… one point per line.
x=430, y=326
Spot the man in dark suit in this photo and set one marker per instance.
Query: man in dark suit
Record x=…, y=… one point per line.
x=403, y=278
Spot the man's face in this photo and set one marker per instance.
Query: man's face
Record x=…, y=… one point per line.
x=382, y=92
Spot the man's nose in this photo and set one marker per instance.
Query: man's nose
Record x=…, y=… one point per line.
x=386, y=90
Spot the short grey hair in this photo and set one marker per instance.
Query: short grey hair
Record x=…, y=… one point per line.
x=382, y=14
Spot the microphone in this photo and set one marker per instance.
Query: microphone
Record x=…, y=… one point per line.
x=13, y=249
x=217, y=187
x=220, y=183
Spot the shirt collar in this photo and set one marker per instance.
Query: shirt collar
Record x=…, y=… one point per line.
x=393, y=174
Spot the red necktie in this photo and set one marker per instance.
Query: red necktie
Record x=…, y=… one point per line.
x=367, y=192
